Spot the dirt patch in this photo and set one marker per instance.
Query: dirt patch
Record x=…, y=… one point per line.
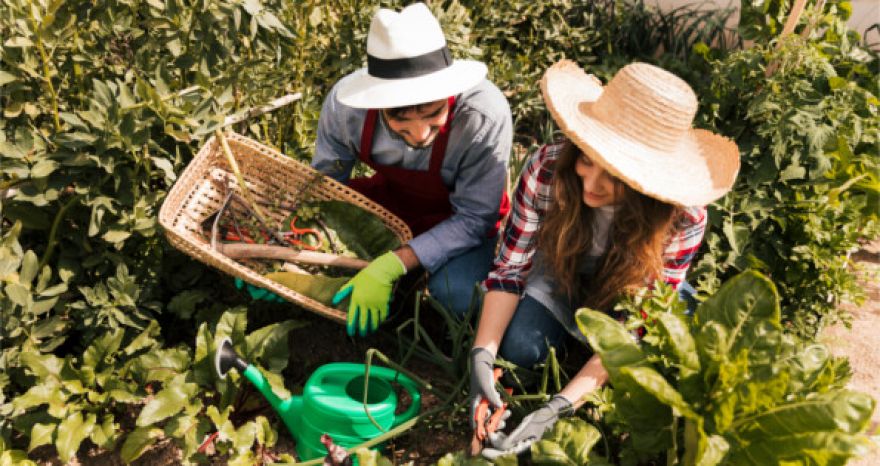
x=861, y=342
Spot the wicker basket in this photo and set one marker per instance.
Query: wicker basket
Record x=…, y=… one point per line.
x=271, y=176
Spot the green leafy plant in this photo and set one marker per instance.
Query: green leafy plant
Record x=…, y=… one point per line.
x=726, y=386
x=808, y=187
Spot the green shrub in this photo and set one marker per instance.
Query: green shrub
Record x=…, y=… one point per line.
x=807, y=192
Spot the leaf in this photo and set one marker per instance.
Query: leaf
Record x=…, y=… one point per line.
x=18, y=42
x=679, y=342
x=102, y=348
x=116, y=236
x=166, y=167
x=43, y=365
x=361, y=231
x=6, y=78
x=569, y=442
x=137, y=442
x=652, y=382
x=145, y=339
x=232, y=324
x=319, y=287
x=71, y=432
x=41, y=434
x=840, y=411
x=168, y=402
x=184, y=304
x=609, y=339
x=745, y=307
x=18, y=294
x=821, y=448
x=43, y=168
x=269, y=344
x=29, y=264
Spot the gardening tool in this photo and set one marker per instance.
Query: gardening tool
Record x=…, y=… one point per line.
x=332, y=402
x=297, y=236
x=484, y=423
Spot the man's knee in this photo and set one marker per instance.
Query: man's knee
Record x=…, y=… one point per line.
x=455, y=296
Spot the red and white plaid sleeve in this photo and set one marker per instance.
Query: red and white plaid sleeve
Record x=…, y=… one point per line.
x=683, y=245
x=530, y=200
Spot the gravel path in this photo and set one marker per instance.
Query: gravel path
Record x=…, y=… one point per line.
x=861, y=343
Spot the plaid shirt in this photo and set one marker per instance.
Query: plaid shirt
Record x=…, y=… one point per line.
x=530, y=202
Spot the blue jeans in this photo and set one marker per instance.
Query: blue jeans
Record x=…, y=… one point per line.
x=533, y=330
x=454, y=283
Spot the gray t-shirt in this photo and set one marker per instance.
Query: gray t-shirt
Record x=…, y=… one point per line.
x=474, y=168
x=543, y=287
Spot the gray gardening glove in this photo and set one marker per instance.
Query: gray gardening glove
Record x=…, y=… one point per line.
x=530, y=430
x=483, y=381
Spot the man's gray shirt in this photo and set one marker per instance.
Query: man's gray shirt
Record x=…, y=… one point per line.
x=474, y=168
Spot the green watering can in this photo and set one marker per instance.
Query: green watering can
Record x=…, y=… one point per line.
x=332, y=402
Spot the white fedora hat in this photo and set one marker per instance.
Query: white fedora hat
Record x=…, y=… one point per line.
x=639, y=128
x=408, y=63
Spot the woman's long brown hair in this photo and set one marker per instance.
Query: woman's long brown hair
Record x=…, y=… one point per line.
x=637, y=236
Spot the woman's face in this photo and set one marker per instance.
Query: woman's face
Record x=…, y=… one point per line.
x=600, y=187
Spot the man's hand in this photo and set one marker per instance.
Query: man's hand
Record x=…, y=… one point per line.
x=483, y=382
x=257, y=293
x=370, y=292
x=530, y=430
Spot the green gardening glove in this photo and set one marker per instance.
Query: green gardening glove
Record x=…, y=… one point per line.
x=370, y=292
x=257, y=293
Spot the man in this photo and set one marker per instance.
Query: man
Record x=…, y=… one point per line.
x=438, y=136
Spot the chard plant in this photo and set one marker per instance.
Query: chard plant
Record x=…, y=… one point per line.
x=726, y=386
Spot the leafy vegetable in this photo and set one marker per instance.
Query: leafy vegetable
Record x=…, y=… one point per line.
x=319, y=287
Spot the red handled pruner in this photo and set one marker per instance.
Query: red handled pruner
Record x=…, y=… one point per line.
x=296, y=236
x=486, y=424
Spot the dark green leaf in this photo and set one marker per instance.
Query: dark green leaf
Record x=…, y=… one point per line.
x=138, y=441
x=361, y=231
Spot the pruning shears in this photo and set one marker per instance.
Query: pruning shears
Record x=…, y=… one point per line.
x=296, y=236
x=485, y=423
x=243, y=235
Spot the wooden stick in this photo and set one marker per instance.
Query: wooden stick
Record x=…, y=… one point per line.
x=264, y=251
x=793, y=17
x=256, y=111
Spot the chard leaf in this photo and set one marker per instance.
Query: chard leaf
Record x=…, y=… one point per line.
x=680, y=342
x=842, y=411
x=652, y=382
x=71, y=432
x=268, y=345
x=137, y=442
x=747, y=307
x=820, y=448
x=569, y=442
x=610, y=340
x=362, y=232
x=319, y=287
x=168, y=402
x=41, y=434
x=102, y=348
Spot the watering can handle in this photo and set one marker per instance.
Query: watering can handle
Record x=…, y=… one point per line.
x=408, y=384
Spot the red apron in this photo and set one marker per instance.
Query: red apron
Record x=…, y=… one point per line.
x=418, y=197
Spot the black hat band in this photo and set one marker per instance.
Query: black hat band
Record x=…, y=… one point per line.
x=411, y=67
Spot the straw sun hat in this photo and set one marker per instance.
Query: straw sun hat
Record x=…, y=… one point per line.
x=408, y=63
x=639, y=128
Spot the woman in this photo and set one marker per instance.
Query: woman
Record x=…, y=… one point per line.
x=617, y=205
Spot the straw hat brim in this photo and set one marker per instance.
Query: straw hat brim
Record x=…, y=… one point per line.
x=360, y=90
x=699, y=171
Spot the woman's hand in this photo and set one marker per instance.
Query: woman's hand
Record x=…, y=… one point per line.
x=530, y=430
x=483, y=382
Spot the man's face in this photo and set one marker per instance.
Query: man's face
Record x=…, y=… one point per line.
x=419, y=126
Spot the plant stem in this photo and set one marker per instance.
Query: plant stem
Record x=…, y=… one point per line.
x=44, y=58
x=234, y=165
x=53, y=232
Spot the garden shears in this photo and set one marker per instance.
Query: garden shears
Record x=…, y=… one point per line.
x=297, y=236
x=485, y=423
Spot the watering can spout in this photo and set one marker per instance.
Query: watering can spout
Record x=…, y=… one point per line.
x=226, y=358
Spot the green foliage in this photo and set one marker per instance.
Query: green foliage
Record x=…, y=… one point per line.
x=753, y=394
x=104, y=102
x=808, y=187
